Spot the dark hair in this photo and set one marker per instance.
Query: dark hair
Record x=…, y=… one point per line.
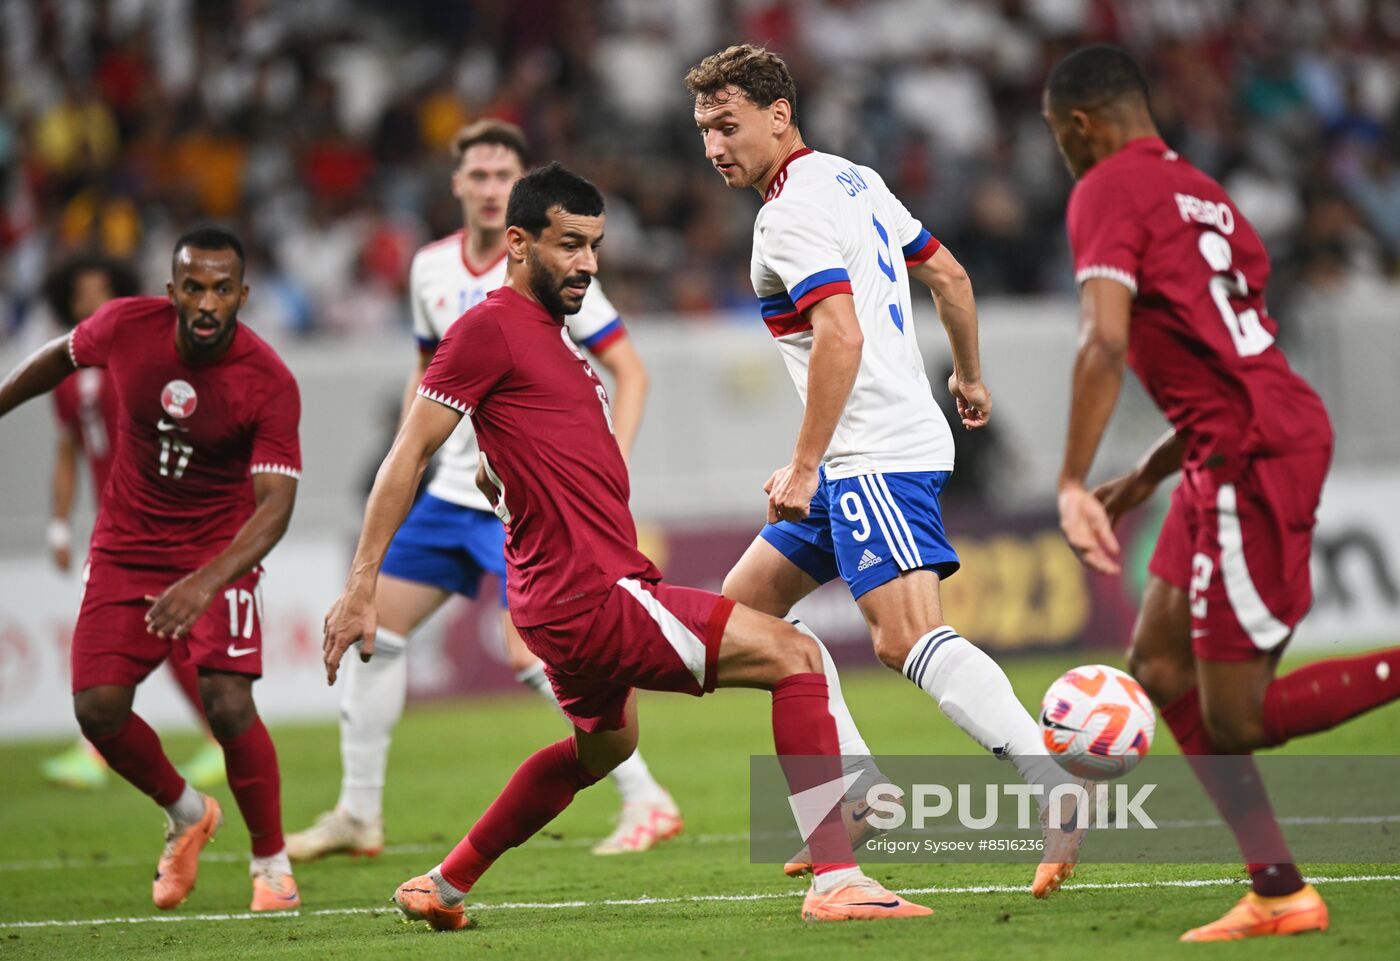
x=489, y=130
x=759, y=73
x=1094, y=76
x=544, y=188
x=211, y=237
x=60, y=284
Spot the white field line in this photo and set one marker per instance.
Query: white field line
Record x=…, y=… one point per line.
x=127, y=861
x=688, y=899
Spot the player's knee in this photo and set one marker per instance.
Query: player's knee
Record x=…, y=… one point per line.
x=1232, y=733
x=892, y=648
x=229, y=710
x=520, y=659
x=796, y=653
x=1164, y=679
x=99, y=716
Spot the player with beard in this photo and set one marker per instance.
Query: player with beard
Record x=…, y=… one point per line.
x=202, y=486
x=587, y=602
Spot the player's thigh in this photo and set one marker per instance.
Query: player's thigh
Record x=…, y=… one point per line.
x=602, y=750
x=1159, y=655
x=518, y=655
x=765, y=579
x=758, y=650
x=403, y=605
x=899, y=612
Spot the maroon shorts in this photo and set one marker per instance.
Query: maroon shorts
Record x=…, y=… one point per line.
x=1238, y=542
x=112, y=646
x=642, y=634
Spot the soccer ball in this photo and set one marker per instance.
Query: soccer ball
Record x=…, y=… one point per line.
x=1097, y=722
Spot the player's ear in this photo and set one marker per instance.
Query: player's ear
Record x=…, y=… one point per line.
x=517, y=242
x=170, y=290
x=781, y=115
x=1081, y=122
x=242, y=296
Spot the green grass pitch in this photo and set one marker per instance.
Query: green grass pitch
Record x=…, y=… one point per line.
x=67, y=857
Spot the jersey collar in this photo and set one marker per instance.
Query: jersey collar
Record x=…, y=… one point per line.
x=780, y=178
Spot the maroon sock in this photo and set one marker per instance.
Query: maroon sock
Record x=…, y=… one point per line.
x=253, y=778
x=187, y=676
x=1322, y=695
x=135, y=753
x=537, y=792
x=1232, y=782
x=804, y=735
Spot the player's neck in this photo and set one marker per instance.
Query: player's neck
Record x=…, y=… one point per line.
x=518, y=280
x=1117, y=137
x=191, y=354
x=482, y=248
x=790, y=145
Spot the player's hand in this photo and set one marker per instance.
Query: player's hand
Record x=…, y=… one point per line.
x=175, y=612
x=974, y=401
x=790, y=492
x=62, y=558
x=1086, y=526
x=483, y=483
x=1122, y=494
x=351, y=618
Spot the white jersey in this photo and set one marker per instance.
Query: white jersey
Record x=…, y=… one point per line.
x=827, y=227
x=442, y=287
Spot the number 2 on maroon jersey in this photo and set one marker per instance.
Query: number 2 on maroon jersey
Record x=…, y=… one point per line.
x=1249, y=335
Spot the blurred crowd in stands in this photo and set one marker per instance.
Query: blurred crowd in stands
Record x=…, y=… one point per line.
x=320, y=130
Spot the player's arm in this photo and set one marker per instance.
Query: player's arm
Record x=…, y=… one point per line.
x=1123, y=493
x=630, y=385
x=1104, y=309
x=837, y=343
x=957, y=311
x=63, y=484
x=176, y=610
x=415, y=377
x=37, y=374
x=352, y=618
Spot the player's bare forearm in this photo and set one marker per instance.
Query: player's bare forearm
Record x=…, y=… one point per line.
x=837, y=343
x=65, y=476
x=952, y=294
x=425, y=429
x=1098, y=374
x=37, y=374
x=630, y=385
x=177, y=609
x=1163, y=459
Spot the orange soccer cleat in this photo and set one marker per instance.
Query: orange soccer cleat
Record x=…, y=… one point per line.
x=418, y=899
x=179, y=862
x=1255, y=916
x=861, y=900
x=855, y=816
x=275, y=892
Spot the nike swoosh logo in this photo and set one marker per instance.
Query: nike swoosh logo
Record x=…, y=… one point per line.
x=240, y=651
x=861, y=815
x=874, y=904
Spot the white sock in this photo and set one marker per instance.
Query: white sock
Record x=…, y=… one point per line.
x=632, y=777
x=370, y=707
x=187, y=809
x=855, y=755
x=275, y=864
x=831, y=880
x=449, y=894
x=973, y=692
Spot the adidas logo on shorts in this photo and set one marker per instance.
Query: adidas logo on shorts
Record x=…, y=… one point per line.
x=868, y=560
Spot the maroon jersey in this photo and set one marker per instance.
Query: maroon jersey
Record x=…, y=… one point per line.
x=1201, y=340
x=86, y=407
x=189, y=438
x=542, y=419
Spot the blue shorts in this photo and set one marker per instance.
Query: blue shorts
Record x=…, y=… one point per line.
x=882, y=526
x=448, y=546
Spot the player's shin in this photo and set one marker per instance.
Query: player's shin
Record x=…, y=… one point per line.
x=370, y=707
x=804, y=735
x=256, y=784
x=973, y=691
x=1235, y=787
x=135, y=753
x=540, y=789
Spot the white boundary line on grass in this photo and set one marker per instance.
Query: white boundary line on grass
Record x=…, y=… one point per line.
x=688, y=899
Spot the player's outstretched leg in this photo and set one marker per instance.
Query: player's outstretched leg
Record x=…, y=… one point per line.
x=649, y=815
x=256, y=783
x=131, y=748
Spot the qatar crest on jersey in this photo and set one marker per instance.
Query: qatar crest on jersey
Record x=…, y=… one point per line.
x=179, y=399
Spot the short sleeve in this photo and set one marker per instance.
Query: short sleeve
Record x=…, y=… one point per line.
x=423, y=331
x=798, y=242
x=276, y=444
x=471, y=361
x=596, y=326
x=913, y=239
x=90, y=343
x=1105, y=235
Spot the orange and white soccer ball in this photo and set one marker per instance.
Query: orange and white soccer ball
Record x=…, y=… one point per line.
x=1097, y=722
